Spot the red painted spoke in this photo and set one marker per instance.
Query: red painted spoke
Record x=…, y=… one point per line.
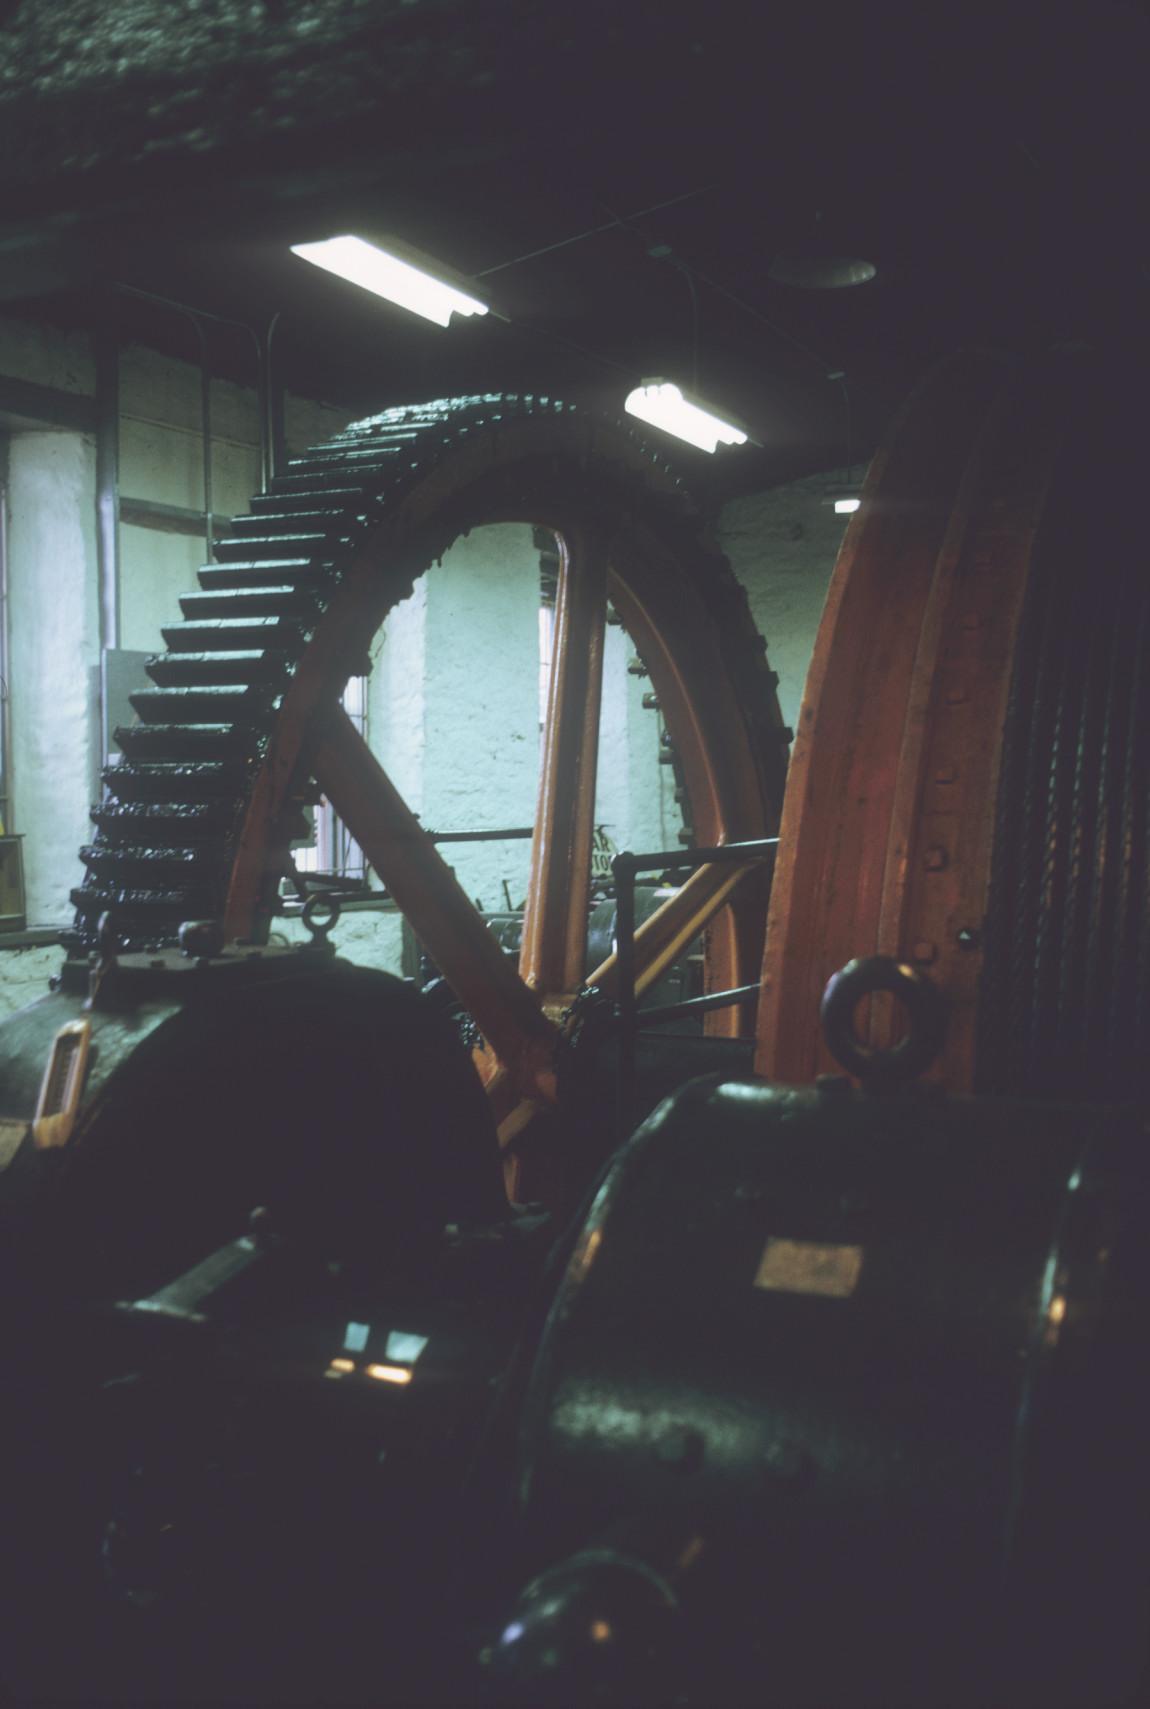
x=427, y=891
x=555, y=921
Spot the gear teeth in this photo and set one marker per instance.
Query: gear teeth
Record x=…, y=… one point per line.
x=187, y=899
x=276, y=503
x=372, y=458
x=305, y=545
x=187, y=742
x=234, y=633
x=283, y=601
x=276, y=529
x=247, y=668
x=142, y=867
x=205, y=705
x=306, y=575
x=173, y=782
x=164, y=824
x=317, y=483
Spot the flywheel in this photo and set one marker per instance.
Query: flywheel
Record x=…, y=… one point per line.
x=244, y=722
x=969, y=786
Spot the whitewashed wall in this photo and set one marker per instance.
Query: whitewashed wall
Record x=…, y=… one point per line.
x=53, y=615
x=782, y=545
x=161, y=459
x=54, y=650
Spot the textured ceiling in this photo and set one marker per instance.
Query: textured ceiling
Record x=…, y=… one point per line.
x=989, y=161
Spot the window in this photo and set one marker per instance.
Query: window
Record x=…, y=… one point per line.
x=333, y=851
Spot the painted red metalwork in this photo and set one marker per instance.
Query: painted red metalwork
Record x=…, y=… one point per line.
x=888, y=825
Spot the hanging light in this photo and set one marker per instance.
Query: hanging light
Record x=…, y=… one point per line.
x=400, y=274
x=663, y=404
x=842, y=499
x=818, y=270
x=817, y=260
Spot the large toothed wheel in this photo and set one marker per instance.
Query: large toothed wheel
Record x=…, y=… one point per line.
x=245, y=715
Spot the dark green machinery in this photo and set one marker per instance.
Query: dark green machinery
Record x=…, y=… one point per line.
x=827, y=1396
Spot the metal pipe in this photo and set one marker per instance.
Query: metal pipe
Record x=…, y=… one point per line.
x=107, y=353
x=205, y=431
x=273, y=436
x=699, y=1005
x=5, y=673
x=623, y=869
x=722, y=855
x=521, y=831
x=269, y=458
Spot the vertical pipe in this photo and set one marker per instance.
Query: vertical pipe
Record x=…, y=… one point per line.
x=205, y=430
x=5, y=673
x=107, y=352
x=273, y=447
x=623, y=870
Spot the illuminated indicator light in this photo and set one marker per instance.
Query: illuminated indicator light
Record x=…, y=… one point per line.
x=1055, y=1315
x=385, y=273
x=355, y=1337
x=389, y=1373
x=341, y=1367
x=600, y=1631
x=844, y=506
x=664, y=405
x=404, y=1346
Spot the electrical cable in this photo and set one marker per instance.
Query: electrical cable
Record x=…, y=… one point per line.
x=688, y=276
x=593, y=231
x=772, y=326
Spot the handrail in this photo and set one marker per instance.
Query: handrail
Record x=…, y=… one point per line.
x=624, y=869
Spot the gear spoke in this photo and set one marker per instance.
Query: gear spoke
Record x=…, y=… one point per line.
x=442, y=917
x=553, y=957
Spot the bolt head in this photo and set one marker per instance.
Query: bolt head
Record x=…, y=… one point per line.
x=935, y=858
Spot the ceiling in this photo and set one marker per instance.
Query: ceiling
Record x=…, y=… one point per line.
x=988, y=160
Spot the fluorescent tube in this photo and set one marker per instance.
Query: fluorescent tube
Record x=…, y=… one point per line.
x=663, y=405
x=388, y=275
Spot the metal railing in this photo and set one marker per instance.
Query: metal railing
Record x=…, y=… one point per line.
x=625, y=868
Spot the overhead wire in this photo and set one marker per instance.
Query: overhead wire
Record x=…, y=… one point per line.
x=593, y=231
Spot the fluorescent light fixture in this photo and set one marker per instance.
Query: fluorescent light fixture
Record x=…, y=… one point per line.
x=397, y=273
x=664, y=405
x=844, y=506
x=815, y=269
